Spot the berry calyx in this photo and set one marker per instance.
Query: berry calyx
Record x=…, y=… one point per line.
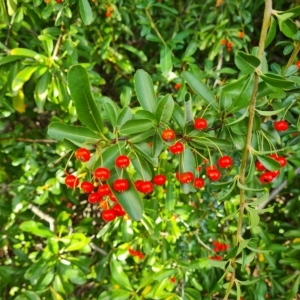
x=225, y=162
x=87, y=187
x=186, y=177
x=121, y=185
x=145, y=187
x=176, y=148
x=102, y=173
x=104, y=190
x=109, y=215
x=259, y=166
x=200, y=124
x=168, y=135
x=83, y=154
x=71, y=181
x=119, y=210
x=266, y=177
x=94, y=197
x=122, y=161
x=159, y=179
x=213, y=174
x=198, y=183
x=281, y=125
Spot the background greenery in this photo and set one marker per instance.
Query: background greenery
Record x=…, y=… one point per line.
x=54, y=244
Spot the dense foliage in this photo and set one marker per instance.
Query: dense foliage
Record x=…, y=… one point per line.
x=186, y=117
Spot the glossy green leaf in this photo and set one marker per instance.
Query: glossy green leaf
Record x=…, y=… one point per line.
x=287, y=27
x=130, y=199
x=294, y=289
x=170, y=199
x=85, y=12
x=260, y=200
x=243, y=187
x=26, y=53
x=125, y=96
x=30, y=295
x=109, y=155
x=200, y=88
x=145, y=91
x=115, y=294
x=118, y=274
x=271, y=32
x=36, y=228
x=254, y=217
x=124, y=115
x=41, y=90
x=22, y=77
x=136, y=126
x=77, y=241
x=8, y=59
x=247, y=63
x=270, y=163
x=271, y=112
x=178, y=115
x=86, y=107
x=164, y=110
x=276, y=81
x=188, y=109
x=213, y=142
x=144, y=150
x=140, y=137
x=166, y=7
x=142, y=167
x=166, y=64
x=111, y=112
x=79, y=135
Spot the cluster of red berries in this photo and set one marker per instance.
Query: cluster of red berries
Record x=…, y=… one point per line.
x=136, y=253
x=103, y=195
x=268, y=176
x=109, y=12
x=228, y=44
x=219, y=247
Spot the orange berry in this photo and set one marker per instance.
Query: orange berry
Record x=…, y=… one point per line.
x=108, y=14
x=223, y=42
x=241, y=34
x=177, y=86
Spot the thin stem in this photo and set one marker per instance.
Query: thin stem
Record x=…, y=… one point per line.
x=154, y=26
x=264, y=31
x=293, y=55
x=57, y=46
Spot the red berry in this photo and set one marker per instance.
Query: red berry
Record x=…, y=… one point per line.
x=109, y=215
x=177, y=86
x=229, y=45
x=119, y=210
x=168, y=135
x=83, y=154
x=211, y=167
x=108, y=14
x=266, y=177
x=280, y=159
x=200, y=124
x=71, y=181
x=87, y=187
x=186, y=177
x=112, y=197
x=198, y=183
x=223, y=42
x=259, y=166
x=121, y=185
x=159, y=179
x=172, y=279
x=104, y=190
x=102, y=174
x=298, y=64
x=213, y=174
x=94, y=197
x=137, y=184
x=176, y=148
x=275, y=173
x=59, y=1
x=122, y=161
x=145, y=187
x=281, y=125
x=225, y=162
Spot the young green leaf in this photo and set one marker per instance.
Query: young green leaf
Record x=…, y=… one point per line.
x=118, y=274
x=164, y=110
x=166, y=64
x=36, y=228
x=246, y=62
x=85, y=12
x=22, y=77
x=86, y=107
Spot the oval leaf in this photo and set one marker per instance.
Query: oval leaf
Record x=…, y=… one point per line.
x=246, y=62
x=136, y=126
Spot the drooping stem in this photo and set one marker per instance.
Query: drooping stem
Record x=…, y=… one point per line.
x=264, y=31
x=154, y=26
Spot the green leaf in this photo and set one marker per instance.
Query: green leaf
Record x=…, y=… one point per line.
x=22, y=77
x=80, y=136
x=166, y=7
x=217, y=263
x=140, y=137
x=270, y=163
x=254, y=217
x=86, y=107
x=130, y=200
x=136, y=126
x=188, y=109
x=8, y=59
x=144, y=150
x=212, y=142
x=30, y=295
x=36, y=228
x=125, y=96
x=77, y=241
x=200, y=88
x=111, y=112
x=26, y=53
x=246, y=62
x=164, y=110
x=294, y=290
x=292, y=234
x=145, y=91
x=142, y=167
x=276, y=81
x=287, y=27
x=271, y=32
x=41, y=90
x=178, y=116
x=166, y=64
x=170, y=199
x=262, y=199
x=243, y=187
x=85, y=12
x=124, y=115
x=115, y=294
x=258, y=250
x=271, y=112
x=118, y=274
